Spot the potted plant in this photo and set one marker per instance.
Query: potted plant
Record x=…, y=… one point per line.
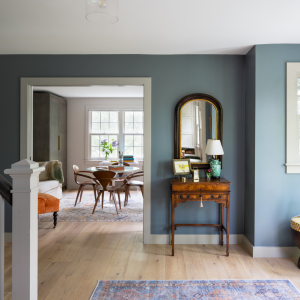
x=108, y=148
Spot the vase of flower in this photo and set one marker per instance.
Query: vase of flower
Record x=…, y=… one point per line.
x=108, y=148
x=208, y=174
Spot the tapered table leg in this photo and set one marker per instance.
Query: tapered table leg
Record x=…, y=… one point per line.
x=173, y=225
x=222, y=223
x=227, y=225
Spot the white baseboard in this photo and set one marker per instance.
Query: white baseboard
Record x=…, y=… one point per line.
x=259, y=251
x=7, y=237
x=194, y=239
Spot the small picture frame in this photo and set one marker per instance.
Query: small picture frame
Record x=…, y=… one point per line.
x=181, y=166
x=195, y=174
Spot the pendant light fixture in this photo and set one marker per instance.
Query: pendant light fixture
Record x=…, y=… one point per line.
x=102, y=11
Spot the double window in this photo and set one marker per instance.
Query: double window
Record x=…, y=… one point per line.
x=127, y=127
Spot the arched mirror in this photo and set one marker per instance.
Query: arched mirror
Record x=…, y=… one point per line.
x=198, y=118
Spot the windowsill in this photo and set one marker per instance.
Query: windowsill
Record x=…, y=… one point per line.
x=293, y=168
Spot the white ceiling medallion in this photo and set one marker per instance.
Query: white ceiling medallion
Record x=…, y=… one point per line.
x=102, y=11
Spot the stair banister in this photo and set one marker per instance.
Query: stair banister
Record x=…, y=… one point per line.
x=25, y=176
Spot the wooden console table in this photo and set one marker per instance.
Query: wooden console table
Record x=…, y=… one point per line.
x=217, y=190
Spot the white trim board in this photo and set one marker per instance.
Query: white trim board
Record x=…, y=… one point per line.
x=259, y=251
x=26, y=123
x=292, y=118
x=8, y=237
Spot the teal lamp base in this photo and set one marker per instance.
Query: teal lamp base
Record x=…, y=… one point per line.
x=215, y=166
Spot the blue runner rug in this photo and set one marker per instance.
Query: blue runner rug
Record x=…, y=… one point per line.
x=196, y=289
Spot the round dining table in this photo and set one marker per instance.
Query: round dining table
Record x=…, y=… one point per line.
x=105, y=168
x=127, y=170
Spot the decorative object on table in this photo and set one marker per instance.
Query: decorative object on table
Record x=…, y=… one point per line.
x=214, y=148
x=108, y=148
x=116, y=168
x=128, y=158
x=120, y=158
x=183, y=178
x=181, y=166
x=208, y=174
x=195, y=174
x=195, y=289
x=295, y=227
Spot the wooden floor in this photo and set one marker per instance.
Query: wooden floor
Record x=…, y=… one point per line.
x=74, y=256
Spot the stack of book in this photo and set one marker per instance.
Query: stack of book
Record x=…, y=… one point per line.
x=116, y=168
x=128, y=158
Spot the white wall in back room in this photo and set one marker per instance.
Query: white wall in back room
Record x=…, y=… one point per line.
x=77, y=127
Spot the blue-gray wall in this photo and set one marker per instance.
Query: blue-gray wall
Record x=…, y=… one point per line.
x=250, y=146
x=277, y=194
x=173, y=77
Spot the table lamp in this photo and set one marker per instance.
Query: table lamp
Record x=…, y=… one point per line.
x=213, y=148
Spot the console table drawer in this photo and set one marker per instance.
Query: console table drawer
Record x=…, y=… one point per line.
x=197, y=197
x=200, y=187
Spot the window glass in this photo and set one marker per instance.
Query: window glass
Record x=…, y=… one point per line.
x=105, y=122
x=134, y=145
x=105, y=125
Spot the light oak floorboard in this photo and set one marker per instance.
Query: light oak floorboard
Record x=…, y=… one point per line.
x=75, y=255
x=193, y=261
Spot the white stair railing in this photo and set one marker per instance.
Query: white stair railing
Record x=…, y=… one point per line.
x=2, y=214
x=25, y=175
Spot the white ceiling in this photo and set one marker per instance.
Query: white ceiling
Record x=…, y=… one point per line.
x=148, y=27
x=97, y=91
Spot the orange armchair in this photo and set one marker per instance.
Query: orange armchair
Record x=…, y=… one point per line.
x=48, y=203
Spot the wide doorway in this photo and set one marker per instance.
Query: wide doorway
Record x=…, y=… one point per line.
x=116, y=113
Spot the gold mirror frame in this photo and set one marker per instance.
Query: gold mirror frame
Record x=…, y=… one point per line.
x=219, y=125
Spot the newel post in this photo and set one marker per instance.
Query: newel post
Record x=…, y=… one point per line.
x=25, y=176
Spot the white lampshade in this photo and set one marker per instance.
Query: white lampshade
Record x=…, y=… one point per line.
x=214, y=147
x=102, y=11
x=207, y=145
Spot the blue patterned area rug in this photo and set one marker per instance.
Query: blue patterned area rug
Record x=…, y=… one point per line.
x=194, y=290
x=132, y=212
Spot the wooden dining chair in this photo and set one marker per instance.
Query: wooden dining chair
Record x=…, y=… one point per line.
x=103, y=183
x=120, y=177
x=130, y=182
x=82, y=184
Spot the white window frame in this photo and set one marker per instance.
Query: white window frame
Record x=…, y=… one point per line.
x=123, y=131
x=118, y=104
x=292, y=119
x=90, y=133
